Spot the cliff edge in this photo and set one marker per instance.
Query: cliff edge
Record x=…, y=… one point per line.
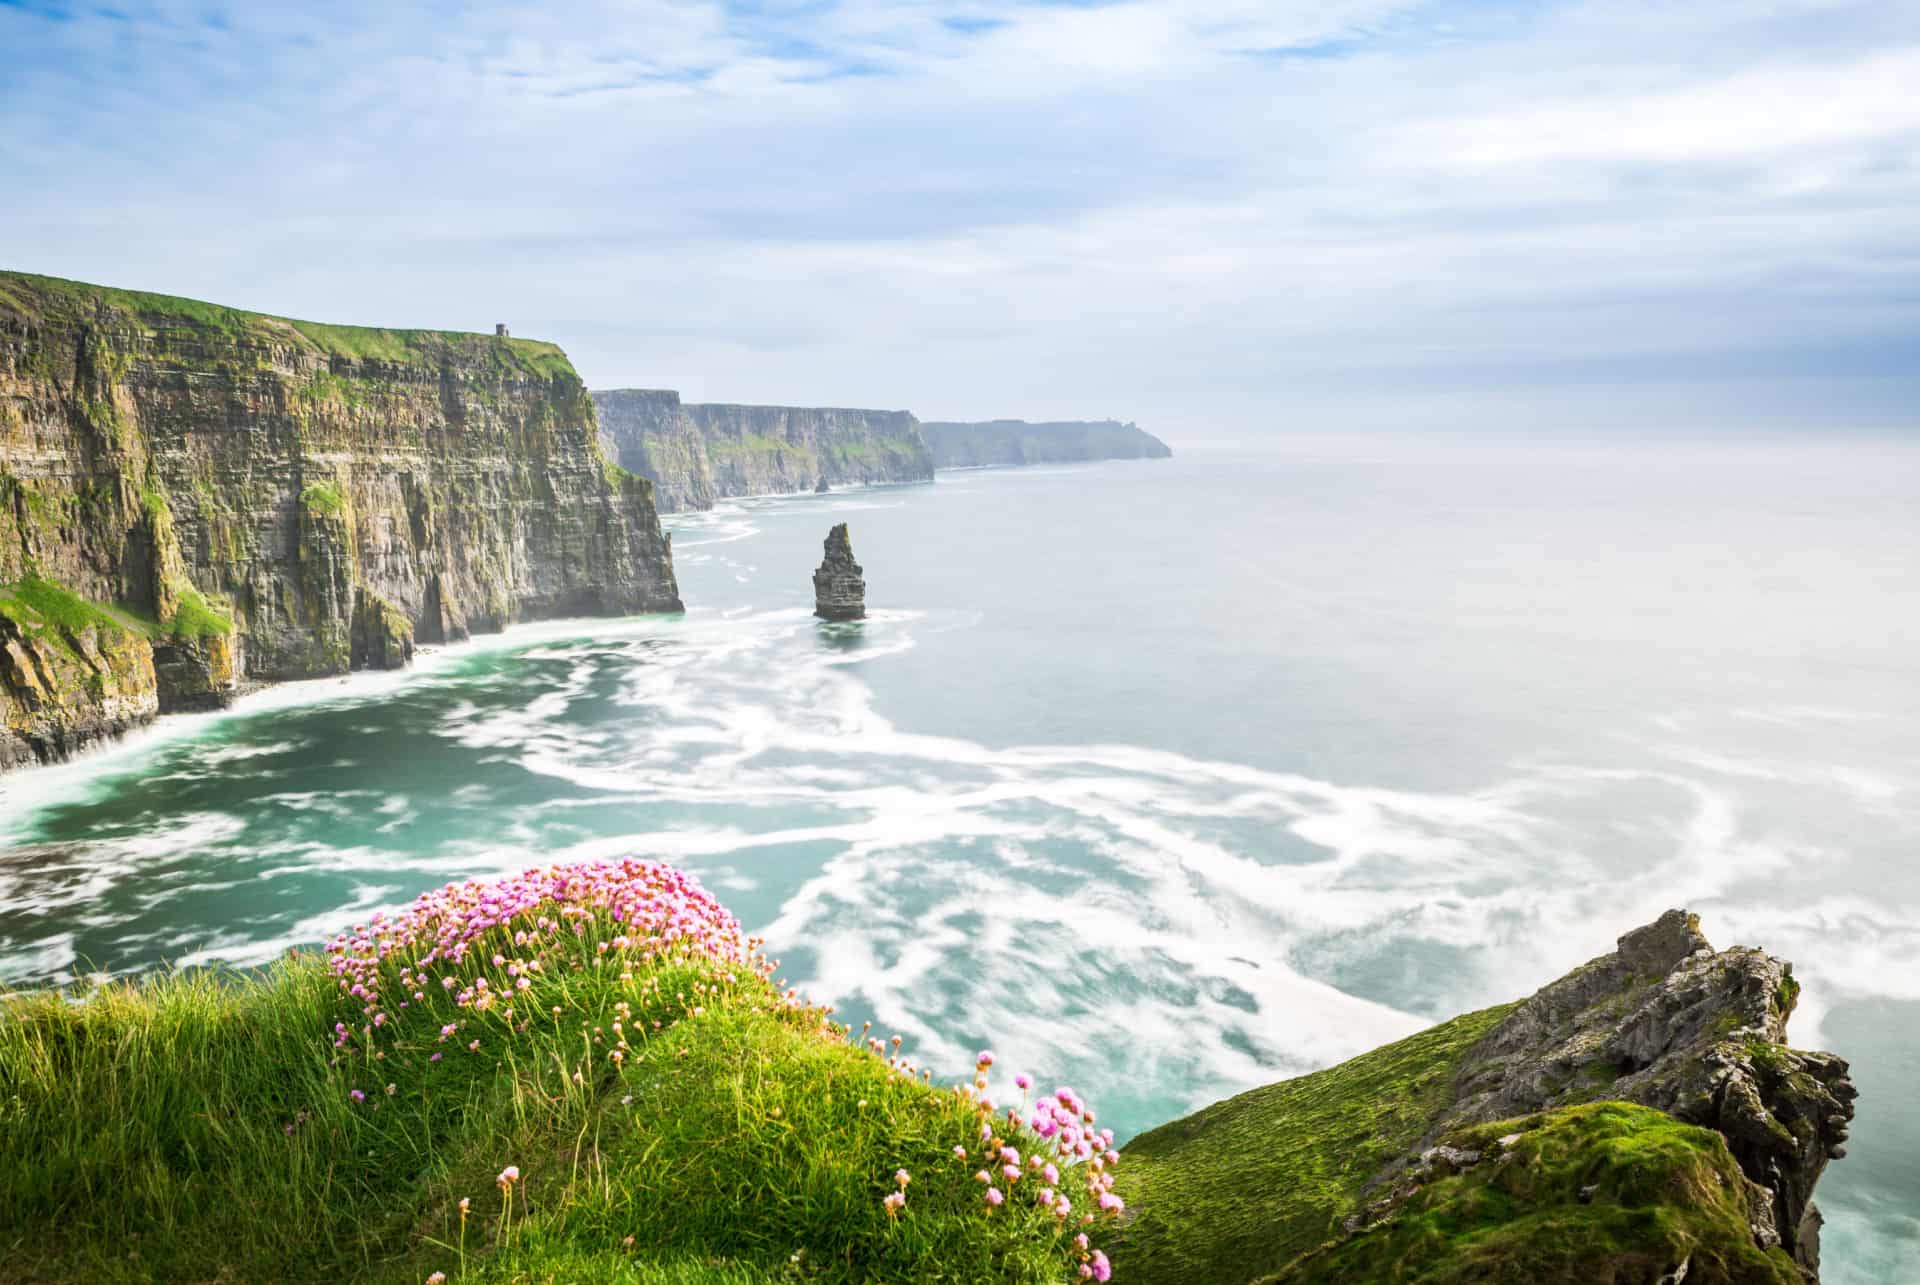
x=1639, y=1120
x=227, y=495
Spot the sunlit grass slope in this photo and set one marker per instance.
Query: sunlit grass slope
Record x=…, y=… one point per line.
x=1257, y=1188
x=582, y=1073
x=1242, y=1186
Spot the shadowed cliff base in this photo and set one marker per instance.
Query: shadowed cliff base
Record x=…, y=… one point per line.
x=235, y=496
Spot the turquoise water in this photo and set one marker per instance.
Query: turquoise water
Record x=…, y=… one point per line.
x=1163, y=778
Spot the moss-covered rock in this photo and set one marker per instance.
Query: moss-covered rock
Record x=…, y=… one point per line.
x=1604, y=1194
x=71, y=672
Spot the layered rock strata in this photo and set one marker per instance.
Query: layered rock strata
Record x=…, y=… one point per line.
x=698, y=453
x=264, y=499
x=1003, y=443
x=839, y=585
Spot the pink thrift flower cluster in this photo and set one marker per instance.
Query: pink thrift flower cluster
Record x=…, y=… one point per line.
x=1062, y=1147
x=482, y=944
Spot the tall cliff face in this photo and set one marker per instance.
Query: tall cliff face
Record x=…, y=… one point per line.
x=697, y=453
x=1002, y=443
x=253, y=497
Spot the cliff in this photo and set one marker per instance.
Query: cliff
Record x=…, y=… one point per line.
x=1003, y=442
x=698, y=453
x=1640, y=1120
x=238, y=496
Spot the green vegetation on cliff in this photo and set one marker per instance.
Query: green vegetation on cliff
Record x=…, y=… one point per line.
x=1610, y=1191
x=1242, y=1186
x=50, y=608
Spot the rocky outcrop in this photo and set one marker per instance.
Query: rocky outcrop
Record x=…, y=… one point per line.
x=697, y=453
x=1006, y=442
x=1642, y=1121
x=272, y=499
x=66, y=683
x=839, y=586
x=1668, y=1022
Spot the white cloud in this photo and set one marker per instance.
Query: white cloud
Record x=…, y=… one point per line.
x=1041, y=209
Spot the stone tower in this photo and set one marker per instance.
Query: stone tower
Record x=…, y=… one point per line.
x=839, y=589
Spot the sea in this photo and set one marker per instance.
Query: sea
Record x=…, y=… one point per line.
x=1162, y=779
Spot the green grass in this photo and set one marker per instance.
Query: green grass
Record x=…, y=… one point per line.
x=322, y=498
x=1243, y=1186
x=193, y=1127
x=37, y=603
x=31, y=295
x=194, y=618
x=1604, y=1192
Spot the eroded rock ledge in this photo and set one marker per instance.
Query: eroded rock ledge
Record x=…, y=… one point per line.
x=1668, y=1022
x=1640, y=1121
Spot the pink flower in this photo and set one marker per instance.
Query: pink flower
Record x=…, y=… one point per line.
x=1011, y=1173
x=509, y=1176
x=902, y=1177
x=438, y=1278
x=1023, y=1082
x=1102, y=1269
x=357, y=1095
x=994, y=1198
x=959, y=1153
x=894, y=1202
x=984, y=1058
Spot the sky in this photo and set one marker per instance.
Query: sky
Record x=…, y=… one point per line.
x=1225, y=219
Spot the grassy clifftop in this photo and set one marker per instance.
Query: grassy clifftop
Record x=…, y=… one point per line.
x=30, y=296
x=580, y=1073
x=1243, y=1186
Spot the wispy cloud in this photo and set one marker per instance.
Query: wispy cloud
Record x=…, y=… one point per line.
x=1225, y=214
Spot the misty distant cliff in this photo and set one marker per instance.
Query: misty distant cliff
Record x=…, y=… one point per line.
x=698, y=453
x=1014, y=441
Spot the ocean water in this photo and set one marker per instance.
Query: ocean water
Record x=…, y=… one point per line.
x=1161, y=778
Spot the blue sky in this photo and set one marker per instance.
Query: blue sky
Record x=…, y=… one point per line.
x=1222, y=217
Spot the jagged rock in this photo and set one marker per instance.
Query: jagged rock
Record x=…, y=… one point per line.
x=196, y=674
x=839, y=589
x=1445, y=1160
x=1668, y=1022
x=382, y=636
x=821, y=487
x=61, y=688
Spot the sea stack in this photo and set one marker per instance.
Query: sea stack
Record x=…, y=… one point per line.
x=839, y=591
